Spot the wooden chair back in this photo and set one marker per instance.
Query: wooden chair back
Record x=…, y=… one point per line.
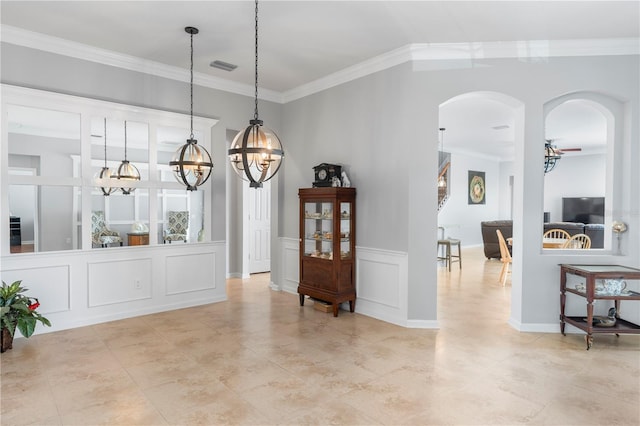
x=578, y=241
x=557, y=233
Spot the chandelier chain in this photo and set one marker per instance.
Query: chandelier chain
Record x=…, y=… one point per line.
x=125, y=140
x=255, y=113
x=105, y=142
x=191, y=87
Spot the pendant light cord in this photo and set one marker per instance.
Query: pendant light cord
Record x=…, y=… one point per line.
x=125, y=140
x=255, y=114
x=191, y=88
x=105, y=142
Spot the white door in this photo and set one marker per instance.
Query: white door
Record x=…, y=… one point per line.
x=260, y=229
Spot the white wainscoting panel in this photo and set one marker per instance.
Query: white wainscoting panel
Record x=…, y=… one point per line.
x=83, y=287
x=191, y=272
x=381, y=284
x=119, y=281
x=49, y=284
x=381, y=281
x=290, y=265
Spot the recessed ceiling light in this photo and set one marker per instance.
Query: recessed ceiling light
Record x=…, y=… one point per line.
x=504, y=126
x=223, y=65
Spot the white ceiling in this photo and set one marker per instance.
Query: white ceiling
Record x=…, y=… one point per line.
x=304, y=41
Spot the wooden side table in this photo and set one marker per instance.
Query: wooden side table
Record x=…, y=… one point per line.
x=138, y=239
x=591, y=273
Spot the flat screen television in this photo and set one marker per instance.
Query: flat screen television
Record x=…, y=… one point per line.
x=583, y=209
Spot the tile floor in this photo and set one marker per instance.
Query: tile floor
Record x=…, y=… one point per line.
x=260, y=359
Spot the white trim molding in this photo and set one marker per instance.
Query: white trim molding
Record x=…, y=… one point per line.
x=381, y=282
x=532, y=50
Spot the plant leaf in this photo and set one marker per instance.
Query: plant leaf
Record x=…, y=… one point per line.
x=27, y=326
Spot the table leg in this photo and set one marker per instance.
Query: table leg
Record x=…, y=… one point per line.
x=591, y=283
x=563, y=299
x=301, y=299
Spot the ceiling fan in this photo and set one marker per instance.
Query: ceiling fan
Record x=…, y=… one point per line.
x=561, y=151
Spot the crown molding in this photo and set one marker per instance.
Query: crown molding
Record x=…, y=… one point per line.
x=532, y=50
x=85, y=52
x=370, y=66
x=525, y=49
x=417, y=52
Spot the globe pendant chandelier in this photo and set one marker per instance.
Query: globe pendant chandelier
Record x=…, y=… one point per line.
x=127, y=172
x=256, y=152
x=105, y=173
x=551, y=156
x=191, y=164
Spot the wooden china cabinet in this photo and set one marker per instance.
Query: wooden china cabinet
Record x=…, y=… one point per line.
x=328, y=245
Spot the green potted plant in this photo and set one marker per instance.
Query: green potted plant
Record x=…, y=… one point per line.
x=17, y=310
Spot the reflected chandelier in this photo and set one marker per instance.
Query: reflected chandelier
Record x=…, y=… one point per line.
x=191, y=164
x=106, y=172
x=551, y=155
x=127, y=172
x=256, y=152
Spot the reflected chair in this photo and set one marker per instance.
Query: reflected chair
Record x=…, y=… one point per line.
x=578, y=241
x=177, y=226
x=505, y=258
x=557, y=233
x=101, y=236
x=448, y=256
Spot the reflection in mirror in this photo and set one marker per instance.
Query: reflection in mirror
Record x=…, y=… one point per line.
x=575, y=190
x=117, y=217
x=181, y=215
x=137, y=145
x=43, y=139
x=42, y=218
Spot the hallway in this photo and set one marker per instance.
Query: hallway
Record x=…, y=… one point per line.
x=260, y=359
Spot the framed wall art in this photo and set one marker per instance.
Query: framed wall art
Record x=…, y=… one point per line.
x=477, y=193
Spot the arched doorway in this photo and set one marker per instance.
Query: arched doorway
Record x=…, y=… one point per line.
x=484, y=130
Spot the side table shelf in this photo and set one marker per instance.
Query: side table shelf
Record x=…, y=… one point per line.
x=591, y=273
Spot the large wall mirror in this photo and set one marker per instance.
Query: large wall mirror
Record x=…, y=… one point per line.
x=122, y=217
x=580, y=135
x=41, y=145
x=55, y=146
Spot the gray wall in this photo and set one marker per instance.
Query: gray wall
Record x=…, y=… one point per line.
x=383, y=129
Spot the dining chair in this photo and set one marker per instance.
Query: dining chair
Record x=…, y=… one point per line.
x=556, y=233
x=578, y=241
x=505, y=258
